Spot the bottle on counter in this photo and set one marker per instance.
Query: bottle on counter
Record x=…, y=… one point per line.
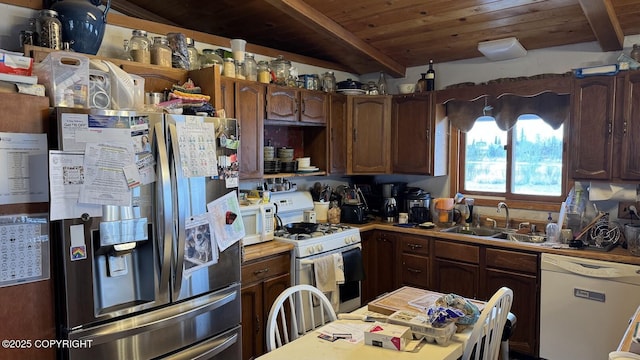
x=140, y=46
x=431, y=77
x=421, y=86
x=552, y=231
x=382, y=84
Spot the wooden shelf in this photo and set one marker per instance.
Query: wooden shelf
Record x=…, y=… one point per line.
x=284, y=175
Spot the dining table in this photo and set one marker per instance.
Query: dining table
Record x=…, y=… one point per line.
x=311, y=347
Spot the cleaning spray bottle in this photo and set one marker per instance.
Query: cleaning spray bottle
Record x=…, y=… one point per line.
x=552, y=230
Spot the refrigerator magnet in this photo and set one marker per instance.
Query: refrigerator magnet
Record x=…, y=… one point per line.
x=78, y=248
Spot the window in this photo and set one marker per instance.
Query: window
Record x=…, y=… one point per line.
x=524, y=161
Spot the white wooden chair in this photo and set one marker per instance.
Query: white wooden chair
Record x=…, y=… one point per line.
x=486, y=336
x=297, y=310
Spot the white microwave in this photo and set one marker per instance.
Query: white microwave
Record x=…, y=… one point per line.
x=258, y=222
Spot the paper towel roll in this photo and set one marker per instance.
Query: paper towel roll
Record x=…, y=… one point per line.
x=609, y=191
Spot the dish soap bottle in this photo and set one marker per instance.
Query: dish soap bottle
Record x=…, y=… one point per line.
x=552, y=231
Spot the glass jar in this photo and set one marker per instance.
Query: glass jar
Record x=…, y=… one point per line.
x=161, y=52
x=250, y=67
x=210, y=58
x=281, y=69
x=264, y=74
x=140, y=47
x=229, y=68
x=329, y=82
x=126, y=52
x=635, y=52
x=240, y=70
x=194, y=57
x=50, y=29
x=382, y=84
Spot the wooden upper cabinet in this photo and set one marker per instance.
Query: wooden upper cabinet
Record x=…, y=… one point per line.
x=296, y=105
x=411, y=135
x=368, y=136
x=249, y=110
x=337, y=141
x=630, y=146
x=592, y=124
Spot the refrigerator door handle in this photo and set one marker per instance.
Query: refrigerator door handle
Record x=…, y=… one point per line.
x=164, y=211
x=181, y=187
x=152, y=321
x=205, y=352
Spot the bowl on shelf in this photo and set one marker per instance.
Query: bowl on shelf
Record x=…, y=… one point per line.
x=406, y=88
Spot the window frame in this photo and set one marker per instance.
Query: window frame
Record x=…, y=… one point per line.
x=533, y=202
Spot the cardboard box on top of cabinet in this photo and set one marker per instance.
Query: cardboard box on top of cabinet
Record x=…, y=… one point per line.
x=390, y=336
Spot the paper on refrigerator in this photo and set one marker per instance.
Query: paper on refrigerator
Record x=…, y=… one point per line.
x=199, y=248
x=104, y=179
x=225, y=219
x=197, y=142
x=23, y=158
x=66, y=177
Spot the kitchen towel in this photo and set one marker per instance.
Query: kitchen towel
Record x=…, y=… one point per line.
x=325, y=276
x=339, y=268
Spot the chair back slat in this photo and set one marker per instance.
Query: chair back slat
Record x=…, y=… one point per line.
x=485, y=338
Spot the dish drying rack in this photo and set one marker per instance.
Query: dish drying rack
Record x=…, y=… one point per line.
x=600, y=233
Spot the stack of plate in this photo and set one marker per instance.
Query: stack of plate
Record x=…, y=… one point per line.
x=272, y=166
x=304, y=165
x=268, y=153
x=288, y=166
x=285, y=154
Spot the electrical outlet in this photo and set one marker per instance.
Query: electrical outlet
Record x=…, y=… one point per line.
x=625, y=213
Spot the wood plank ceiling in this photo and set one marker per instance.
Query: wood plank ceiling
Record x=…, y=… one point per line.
x=364, y=36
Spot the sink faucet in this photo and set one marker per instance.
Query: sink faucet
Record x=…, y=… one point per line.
x=501, y=205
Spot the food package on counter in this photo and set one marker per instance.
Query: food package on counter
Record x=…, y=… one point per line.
x=470, y=310
x=390, y=336
x=421, y=326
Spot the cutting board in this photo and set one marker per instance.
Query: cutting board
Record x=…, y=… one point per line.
x=399, y=300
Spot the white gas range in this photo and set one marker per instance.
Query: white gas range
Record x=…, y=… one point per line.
x=325, y=240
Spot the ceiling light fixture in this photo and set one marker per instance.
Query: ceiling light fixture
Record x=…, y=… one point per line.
x=502, y=49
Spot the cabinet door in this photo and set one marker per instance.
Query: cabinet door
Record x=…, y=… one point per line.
x=368, y=139
x=630, y=161
x=524, y=307
x=456, y=277
x=378, y=255
x=249, y=110
x=411, y=135
x=282, y=103
x=313, y=106
x=368, y=291
x=592, y=127
x=228, y=94
x=414, y=271
x=253, y=321
x=337, y=134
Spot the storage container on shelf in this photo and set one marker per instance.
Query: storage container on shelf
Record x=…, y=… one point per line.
x=140, y=46
x=194, y=57
x=161, y=52
x=65, y=76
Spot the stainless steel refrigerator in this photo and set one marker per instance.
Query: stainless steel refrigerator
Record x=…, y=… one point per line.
x=126, y=289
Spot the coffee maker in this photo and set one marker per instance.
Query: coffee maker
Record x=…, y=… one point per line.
x=390, y=201
x=417, y=203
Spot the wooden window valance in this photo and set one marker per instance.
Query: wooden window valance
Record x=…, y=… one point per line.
x=553, y=108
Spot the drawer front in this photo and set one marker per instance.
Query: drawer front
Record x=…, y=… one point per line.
x=266, y=268
x=457, y=251
x=512, y=260
x=414, y=270
x=415, y=245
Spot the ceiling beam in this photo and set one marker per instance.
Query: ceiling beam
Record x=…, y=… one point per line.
x=319, y=22
x=604, y=23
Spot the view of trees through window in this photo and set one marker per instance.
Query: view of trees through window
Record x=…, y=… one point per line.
x=536, y=157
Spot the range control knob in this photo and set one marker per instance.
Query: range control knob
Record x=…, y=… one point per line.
x=319, y=248
x=347, y=240
x=310, y=250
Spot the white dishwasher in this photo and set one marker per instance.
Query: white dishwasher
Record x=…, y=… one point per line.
x=585, y=306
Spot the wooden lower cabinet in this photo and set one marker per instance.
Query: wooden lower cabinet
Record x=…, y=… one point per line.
x=456, y=268
x=414, y=261
x=262, y=281
x=517, y=271
x=379, y=257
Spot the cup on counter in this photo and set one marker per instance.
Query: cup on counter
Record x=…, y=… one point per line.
x=632, y=235
x=403, y=218
x=322, y=210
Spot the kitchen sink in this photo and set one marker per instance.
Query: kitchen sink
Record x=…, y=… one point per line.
x=478, y=231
